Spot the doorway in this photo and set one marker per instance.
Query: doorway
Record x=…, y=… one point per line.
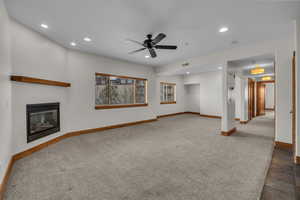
x=260, y=98
x=251, y=102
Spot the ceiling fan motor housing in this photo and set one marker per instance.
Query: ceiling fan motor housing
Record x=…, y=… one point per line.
x=151, y=44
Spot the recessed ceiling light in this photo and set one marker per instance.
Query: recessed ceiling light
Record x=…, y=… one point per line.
x=220, y=68
x=223, y=29
x=147, y=56
x=44, y=26
x=73, y=44
x=87, y=39
x=187, y=72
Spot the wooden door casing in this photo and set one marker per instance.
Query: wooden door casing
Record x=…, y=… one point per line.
x=251, y=105
x=293, y=111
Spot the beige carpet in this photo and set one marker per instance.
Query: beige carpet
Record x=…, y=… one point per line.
x=175, y=158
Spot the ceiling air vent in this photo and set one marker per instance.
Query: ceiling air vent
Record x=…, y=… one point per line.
x=185, y=64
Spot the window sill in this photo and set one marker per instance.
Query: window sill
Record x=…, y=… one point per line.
x=172, y=102
x=120, y=106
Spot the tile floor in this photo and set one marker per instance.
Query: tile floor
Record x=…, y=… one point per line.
x=283, y=179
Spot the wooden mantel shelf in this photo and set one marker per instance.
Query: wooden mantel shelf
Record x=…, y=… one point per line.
x=27, y=79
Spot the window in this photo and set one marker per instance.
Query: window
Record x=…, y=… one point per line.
x=119, y=91
x=167, y=93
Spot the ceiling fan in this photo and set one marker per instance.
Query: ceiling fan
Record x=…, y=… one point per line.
x=151, y=44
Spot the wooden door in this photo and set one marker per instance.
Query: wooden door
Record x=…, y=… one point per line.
x=293, y=111
x=260, y=98
x=251, y=113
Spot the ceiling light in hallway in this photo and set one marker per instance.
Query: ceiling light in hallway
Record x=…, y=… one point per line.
x=147, y=56
x=266, y=78
x=257, y=70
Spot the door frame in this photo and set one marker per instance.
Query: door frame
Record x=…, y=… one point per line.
x=293, y=110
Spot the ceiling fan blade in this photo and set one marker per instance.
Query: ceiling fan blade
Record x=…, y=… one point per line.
x=158, y=38
x=132, y=52
x=134, y=41
x=152, y=53
x=166, y=47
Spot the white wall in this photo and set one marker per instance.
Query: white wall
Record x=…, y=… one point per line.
x=192, y=98
x=282, y=49
x=81, y=96
x=283, y=105
x=203, y=93
x=5, y=92
x=34, y=55
x=270, y=95
x=164, y=109
x=210, y=91
x=244, y=100
x=228, y=98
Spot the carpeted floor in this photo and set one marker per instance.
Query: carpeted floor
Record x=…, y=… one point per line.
x=175, y=158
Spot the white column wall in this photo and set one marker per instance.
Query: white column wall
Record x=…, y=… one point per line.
x=228, y=101
x=238, y=97
x=244, y=99
x=270, y=96
x=5, y=92
x=283, y=60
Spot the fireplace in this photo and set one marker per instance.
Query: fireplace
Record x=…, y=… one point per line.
x=42, y=120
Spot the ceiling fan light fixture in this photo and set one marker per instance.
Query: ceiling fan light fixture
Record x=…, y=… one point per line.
x=257, y=70
x=151, y=44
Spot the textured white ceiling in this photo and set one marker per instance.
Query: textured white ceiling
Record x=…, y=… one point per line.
x=196, y=22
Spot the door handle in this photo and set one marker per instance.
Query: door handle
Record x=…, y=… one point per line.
x=291, y=112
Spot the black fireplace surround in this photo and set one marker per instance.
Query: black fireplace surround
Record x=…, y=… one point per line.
x=42, y=120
